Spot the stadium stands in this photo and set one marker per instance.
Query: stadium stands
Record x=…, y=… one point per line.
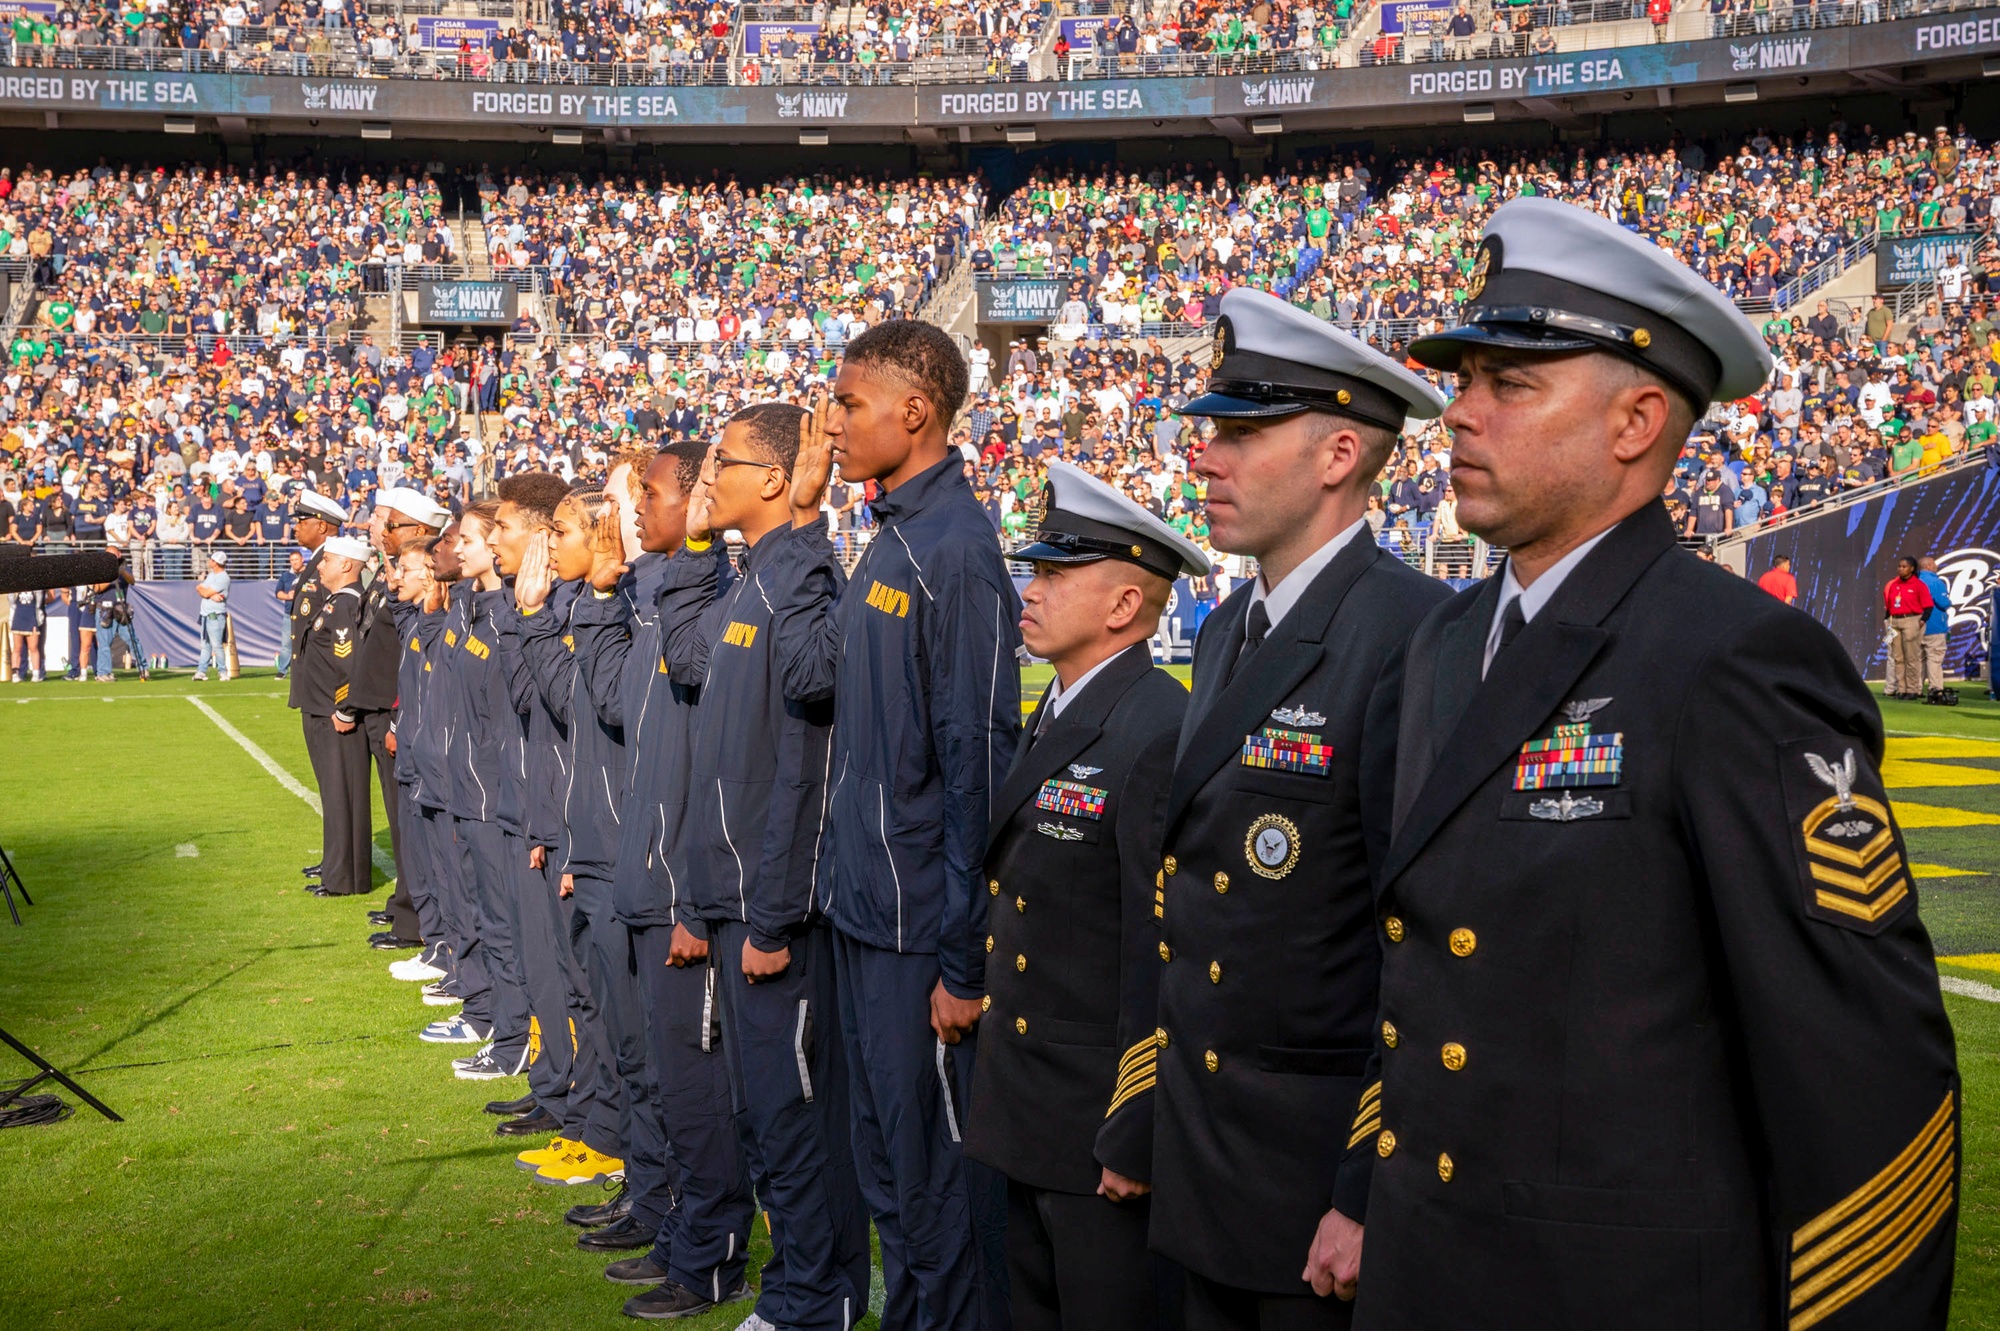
x=235, y=333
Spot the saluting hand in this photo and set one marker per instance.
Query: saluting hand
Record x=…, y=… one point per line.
x=701, y=499
x=535, y=578
x=607, y=554
x=1333, y=1266
x=814, y=466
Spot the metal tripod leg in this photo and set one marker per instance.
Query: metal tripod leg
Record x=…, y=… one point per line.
x=49, y=1072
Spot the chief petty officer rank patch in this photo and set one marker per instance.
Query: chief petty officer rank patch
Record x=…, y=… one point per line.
x=1071, y=798
x=1288, y=751
x=1573, y=757
x=1850, y=855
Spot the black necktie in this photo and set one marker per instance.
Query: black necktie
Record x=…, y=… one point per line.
x=1255, y=625
x=1512, y=621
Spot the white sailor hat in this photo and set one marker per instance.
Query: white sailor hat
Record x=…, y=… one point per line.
x=313, y=504
x=347, y=547
x=1544, y=280
x=1087, y=520
x=414, y=504
x=1271, y=358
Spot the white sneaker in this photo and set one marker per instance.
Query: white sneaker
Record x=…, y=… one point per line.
x=455, y=1031
x=484, y=1051
x=416, y=969
x=754, y=1323
x=440, y=1000
x=201, y=675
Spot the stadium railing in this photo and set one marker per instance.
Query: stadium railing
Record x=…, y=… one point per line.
x=971, y=64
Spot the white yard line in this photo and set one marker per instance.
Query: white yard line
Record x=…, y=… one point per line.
x=383, y=860
x=1985, y=993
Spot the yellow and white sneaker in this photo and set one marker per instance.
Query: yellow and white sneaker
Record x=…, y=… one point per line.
x=555, y=1150
x=580, y=1164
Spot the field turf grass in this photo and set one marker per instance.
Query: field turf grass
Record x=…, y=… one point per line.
x=292, y=1157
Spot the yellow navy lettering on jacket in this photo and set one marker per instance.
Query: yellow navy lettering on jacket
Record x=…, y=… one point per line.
x=888, y=600
x=738, y=634
x=477, y=648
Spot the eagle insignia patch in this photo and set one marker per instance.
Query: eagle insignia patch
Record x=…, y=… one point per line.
x=1850, y=854
x=1271, y=847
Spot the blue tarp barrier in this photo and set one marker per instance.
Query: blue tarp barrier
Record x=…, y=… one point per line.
x=164, y=614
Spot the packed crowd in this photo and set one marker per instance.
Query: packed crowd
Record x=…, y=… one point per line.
x=1366, y=249
x=125, y=417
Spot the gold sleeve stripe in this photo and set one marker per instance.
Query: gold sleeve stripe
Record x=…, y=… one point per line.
x=1143, y=1052
x=1371, y=1095
x=1145, y=1073
x=1126, y=1094
x=1868, y=1191
x=1856, y=1243
x=1364, y=1130
x=1848, y=906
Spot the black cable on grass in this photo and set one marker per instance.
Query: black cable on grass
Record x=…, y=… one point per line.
x=32, y=1111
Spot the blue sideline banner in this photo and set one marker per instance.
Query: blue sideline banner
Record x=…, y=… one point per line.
x=1844, y=559
x=165, y=615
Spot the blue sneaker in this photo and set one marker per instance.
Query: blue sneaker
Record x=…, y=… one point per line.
x=455, y=1031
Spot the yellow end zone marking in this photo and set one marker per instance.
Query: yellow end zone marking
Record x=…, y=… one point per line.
x=1937, y=815
x=1978, y=961
x=1912, y=761
x=1940, y=871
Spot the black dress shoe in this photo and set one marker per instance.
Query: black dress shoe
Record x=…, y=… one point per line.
x=540, y=1123
x=603, y=1213
x=391, y=943
x=312, y=870
x=509, y=1108
x=633, y=1270
x=317, y=891
x=620, y=1236
x=381, y=917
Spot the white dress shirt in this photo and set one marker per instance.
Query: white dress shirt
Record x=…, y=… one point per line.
x=1281, y=598
x=1059, y=697
x=1533, y=598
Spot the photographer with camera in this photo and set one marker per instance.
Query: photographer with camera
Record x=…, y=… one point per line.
x=112, y=601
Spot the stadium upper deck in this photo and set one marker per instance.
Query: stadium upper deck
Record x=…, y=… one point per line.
x=1242, y=73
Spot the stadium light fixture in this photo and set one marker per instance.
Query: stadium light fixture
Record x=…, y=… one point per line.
x=374, y=129
x=568, y=138
x=1020, y=133
x=1478, y=113
x=812, y=138
x=1267, y=125
x=1739, y=92
x=179, y=125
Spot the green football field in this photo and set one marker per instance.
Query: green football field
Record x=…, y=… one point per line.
x=292, y=1157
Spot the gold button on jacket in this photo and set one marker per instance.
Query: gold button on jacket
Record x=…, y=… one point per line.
x=1210, y=1061
x=1394, y=928
x=1462, y=942
x=1454, y=1056
x=1389, y=1036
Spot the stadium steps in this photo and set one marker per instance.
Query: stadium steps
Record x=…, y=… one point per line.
x=1853, y=287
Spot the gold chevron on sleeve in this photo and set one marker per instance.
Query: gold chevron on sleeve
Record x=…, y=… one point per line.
x=1368, y=1117
x=1138, y=1070
x=1849, y=1248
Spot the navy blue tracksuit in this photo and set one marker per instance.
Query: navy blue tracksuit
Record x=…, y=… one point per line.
x=427, y=745
x=754, y=832
x=573, y=1074
x=416, y=869
x=488, y=803
x=919, y=656
x=704, y=1239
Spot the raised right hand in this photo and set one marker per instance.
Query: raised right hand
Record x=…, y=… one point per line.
x=536, y=576
x=814, y=467
x=701, y=499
